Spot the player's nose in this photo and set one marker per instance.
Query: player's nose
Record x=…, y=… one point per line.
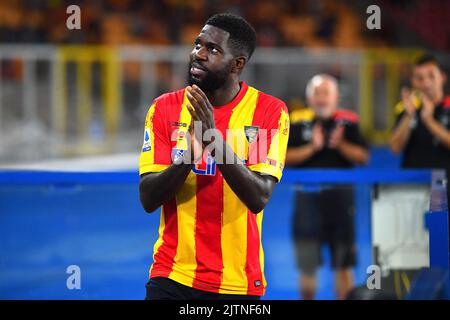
x=200, y=54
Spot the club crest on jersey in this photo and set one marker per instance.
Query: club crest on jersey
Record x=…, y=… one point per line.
x=251, y=132
x=147, y=143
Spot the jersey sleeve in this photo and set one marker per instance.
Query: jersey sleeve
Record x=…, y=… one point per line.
x=269, y=157
x=156, y=149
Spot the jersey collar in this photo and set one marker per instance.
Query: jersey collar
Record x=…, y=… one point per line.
x=233, y=103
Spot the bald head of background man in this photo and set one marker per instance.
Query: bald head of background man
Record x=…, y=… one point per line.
x=322, y=92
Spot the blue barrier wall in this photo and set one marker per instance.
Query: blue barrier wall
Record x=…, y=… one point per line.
x=101, y=228
x=49, y=221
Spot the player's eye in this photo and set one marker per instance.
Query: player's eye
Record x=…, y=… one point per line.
x=214, y=50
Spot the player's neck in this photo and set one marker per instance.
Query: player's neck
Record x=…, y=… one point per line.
x=225, y=94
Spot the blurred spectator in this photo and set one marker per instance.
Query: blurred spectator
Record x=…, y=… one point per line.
x=287, y=23
x=324, y=136
x=422, y=129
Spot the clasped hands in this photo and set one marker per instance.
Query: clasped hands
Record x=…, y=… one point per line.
x=202, y=113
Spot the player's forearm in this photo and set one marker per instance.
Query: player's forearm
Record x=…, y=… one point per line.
x=159, y=187
x=401, y=134
x=298, y=155
x=353, y=153
x=438, y=131
x=253, y=189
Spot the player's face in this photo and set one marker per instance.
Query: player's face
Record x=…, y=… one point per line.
x=324, y=99
x=211, y=59
x=429, y=79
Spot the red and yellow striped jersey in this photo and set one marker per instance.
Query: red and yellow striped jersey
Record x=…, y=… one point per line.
x=208, y=239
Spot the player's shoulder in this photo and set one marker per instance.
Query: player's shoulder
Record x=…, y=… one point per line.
x=302, y=115
x=346, y=115
x=170, y=98
x=271, y=103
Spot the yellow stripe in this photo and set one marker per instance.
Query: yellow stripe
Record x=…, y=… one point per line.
x=159, y=242
x=60, y=111
x=406, y=281
x=259, y=219
x=84, y=96
x=148, y=158
x=185, y=262
x=234, y=219
x=266, y=168
x=185, y=117
x=233, y=242
x=152, y=168
x=277, y=150
x=242, y=115
x=111, y=91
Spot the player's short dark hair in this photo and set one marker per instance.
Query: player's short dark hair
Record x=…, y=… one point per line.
x=242, y=35
x=426, y=58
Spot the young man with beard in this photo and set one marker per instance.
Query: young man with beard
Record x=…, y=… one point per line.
x=209, y=244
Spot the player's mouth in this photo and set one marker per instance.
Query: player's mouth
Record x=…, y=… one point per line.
x=197, y=70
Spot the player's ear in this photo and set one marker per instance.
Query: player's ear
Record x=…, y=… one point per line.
x=239, y=64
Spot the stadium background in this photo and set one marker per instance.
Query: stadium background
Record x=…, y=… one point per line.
x=75, y=100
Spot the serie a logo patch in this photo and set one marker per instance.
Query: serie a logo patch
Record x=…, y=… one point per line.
x=147, y=143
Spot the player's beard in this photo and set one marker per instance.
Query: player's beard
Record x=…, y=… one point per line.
x=211, y=81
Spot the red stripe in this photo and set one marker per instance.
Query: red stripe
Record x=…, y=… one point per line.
x=162, y=266
x=253, y=265
x=208, y=229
